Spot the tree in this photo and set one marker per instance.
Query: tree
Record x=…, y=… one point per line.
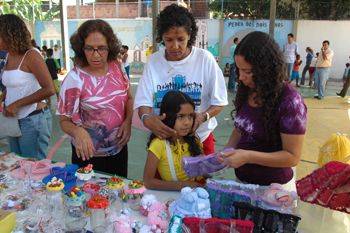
x=29, y=10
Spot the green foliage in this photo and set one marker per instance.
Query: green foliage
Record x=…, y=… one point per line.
x=29, y=10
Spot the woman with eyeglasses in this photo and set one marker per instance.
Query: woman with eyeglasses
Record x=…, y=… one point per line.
x=95, y=104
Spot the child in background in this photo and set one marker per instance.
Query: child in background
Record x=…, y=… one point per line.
x=124, y=57
x=346, y=72
x=53, y=67
x=295, y=73
x=227, y=70
x=312, y=70
x=164, y=155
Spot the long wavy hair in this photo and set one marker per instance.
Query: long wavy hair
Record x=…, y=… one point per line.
x=176, y=16
x=15, y=34
x=77, y=40
x=269, y=72
x=171, y=105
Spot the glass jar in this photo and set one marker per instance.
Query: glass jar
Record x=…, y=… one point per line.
x=75, y=211
x=98, y=207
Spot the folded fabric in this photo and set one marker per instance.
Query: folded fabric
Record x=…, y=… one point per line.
x=319, y=186
x=36, y=169
x=67, y=174
x=203, y=164
x=266, y=220
x=214, y=225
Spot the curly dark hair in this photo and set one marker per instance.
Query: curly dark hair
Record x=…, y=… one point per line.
x=15, y=34
x=77, y=40
x=176, y=16
x=171, y=105
x=269, y=72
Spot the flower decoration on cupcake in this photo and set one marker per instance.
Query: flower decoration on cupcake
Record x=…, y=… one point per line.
x=115, y=182
x=74, y=196
x=85, y=173
x=54, y=185
x=97, y=202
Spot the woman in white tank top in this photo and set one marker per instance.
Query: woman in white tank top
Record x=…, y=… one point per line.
x=28, y=83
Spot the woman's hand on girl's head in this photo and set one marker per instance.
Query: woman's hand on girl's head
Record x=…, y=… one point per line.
x=234, y=158
x=155, y=124
x=83, y=144
x=199, y=119
x=124, y=134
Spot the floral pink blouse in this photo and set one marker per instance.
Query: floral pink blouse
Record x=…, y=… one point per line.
x=96, y=103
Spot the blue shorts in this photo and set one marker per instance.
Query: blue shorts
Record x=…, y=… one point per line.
x=295, y=75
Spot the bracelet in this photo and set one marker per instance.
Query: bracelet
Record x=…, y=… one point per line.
x=207, y=116
x=145, y=115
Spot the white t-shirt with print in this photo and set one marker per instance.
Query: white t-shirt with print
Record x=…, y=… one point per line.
x=198, y=75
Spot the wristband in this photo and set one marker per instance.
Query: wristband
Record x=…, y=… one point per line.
x=145, y=115
x=207, y=116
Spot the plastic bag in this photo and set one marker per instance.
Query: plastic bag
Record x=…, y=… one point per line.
x=336, y=148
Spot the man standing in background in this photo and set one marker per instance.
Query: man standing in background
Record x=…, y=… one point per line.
x=323, y=67
x=290, y=50
x=232, y=78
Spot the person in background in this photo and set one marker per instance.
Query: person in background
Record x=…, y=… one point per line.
x=290, y=50
x=57, y=50
x=180, y=66
x=323, y=67
x=232, y=79
x=28, y=83
x=227, y=70
x=295, y=73
x=95, y=102
x=35, y=45
x=124, y=57
x=270, y=119
x=164, y=155
x=346, y=82
x=44, y=51
x=53, y=69
x=312, y=71
x=309, y=56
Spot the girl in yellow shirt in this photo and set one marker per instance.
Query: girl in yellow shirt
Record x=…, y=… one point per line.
x=163, y=169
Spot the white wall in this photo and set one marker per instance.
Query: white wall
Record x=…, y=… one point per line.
x=311, y=33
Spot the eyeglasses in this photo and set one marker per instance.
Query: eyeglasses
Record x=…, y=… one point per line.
x=102, y=50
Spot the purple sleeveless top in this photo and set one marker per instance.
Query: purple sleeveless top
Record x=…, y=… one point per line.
x=291, y=117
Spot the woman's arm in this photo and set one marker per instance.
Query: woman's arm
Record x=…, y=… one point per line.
x=234, y=138
x=155, y=183
x=125, y=129
x=289, y=156
x=83, y=142
x=35, y=64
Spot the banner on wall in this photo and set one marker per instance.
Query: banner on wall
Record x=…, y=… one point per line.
x=240, y=28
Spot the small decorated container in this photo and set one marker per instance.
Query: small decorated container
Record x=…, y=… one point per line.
x=134, y=193
x=85, y=173
x=54, y=195
x=75, y=216
x=90, y=189
x=98, y=206
x=115, y=182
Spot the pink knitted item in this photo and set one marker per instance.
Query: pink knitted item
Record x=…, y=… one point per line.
x=318, y=187
x=38, y=169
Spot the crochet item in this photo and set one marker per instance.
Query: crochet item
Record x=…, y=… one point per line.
x=266, y=220
x=97, y=202
x=91, y=188
x=318, y=187
x=214, y=225
x=115, y=182
x=38, y=169
x=85, y=173
x=223, y=193
x=203, y=164
x=54, y=185
x=192, y=203
x=136, y=187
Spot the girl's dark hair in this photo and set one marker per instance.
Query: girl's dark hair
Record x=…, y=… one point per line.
x=15, y=34
x=171, y=105
x=77, y=40
x=176, y=16
x=269, y=72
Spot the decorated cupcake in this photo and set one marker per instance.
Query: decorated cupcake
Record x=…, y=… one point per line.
x=74, y=196
x=115, y=183
x=91, y=189
x=134, y=193
x=85, y=173
x=54, y=185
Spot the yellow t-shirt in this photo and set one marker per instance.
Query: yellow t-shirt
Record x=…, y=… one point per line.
x=178, y=151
